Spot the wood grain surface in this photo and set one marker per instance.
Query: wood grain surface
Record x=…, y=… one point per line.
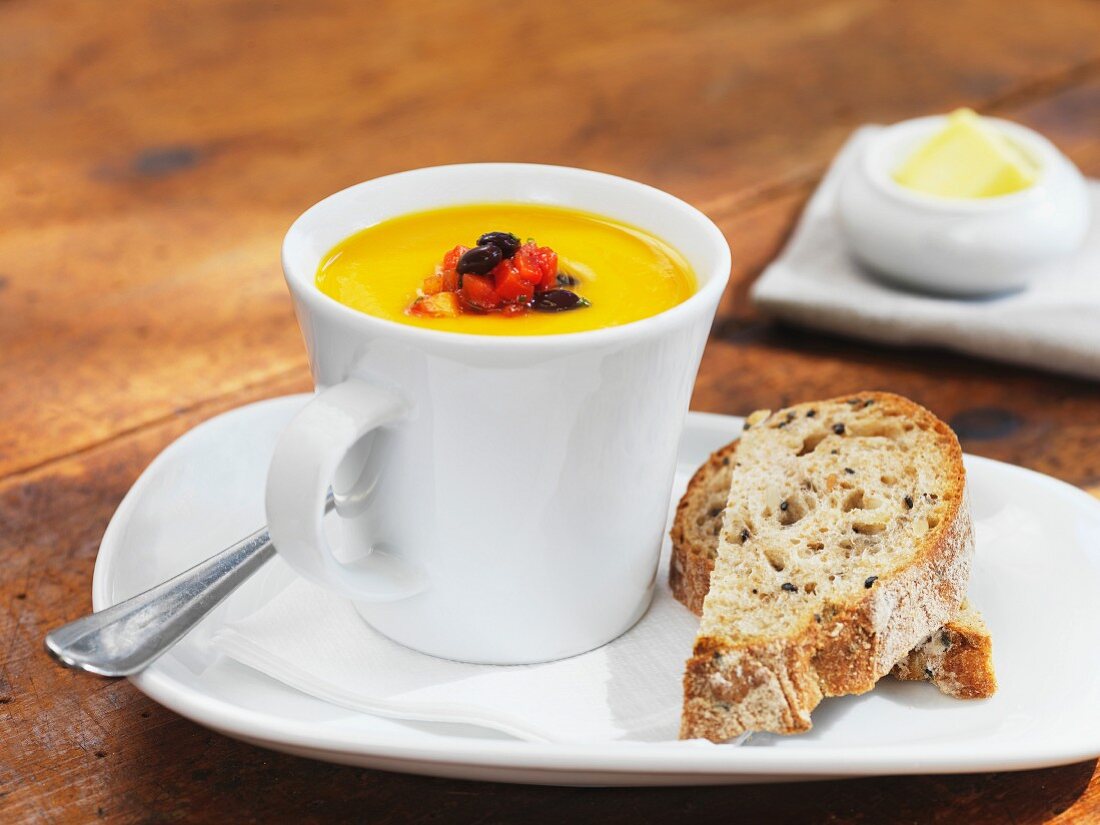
x=153, y=154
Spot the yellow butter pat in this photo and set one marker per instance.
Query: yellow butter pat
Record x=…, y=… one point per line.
x=968, y=158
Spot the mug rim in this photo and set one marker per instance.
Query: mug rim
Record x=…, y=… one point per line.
x=708, y=292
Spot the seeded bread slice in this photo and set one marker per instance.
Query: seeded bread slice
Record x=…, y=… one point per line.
x=958, y=658
x=846, y=542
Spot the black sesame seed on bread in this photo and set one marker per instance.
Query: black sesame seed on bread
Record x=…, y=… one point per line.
x=868, y=560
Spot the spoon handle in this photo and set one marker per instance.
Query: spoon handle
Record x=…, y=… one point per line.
x=124, y=638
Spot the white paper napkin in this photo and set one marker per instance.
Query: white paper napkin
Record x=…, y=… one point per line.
x=1053, y=324
x=629, y=689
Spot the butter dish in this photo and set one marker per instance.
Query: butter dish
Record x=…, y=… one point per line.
x=1054, y=324
x=959, y=246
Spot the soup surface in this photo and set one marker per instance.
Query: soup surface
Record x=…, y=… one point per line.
x=623, y=273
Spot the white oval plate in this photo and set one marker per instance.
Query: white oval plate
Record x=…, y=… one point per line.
x=1036, y=579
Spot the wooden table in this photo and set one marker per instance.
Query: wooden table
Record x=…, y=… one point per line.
x=151, y=157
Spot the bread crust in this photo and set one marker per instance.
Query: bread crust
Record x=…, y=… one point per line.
x=691, y=565
x=733, y=686
x=958, y=658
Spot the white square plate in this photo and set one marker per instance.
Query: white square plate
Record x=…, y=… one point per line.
x=1036, y=580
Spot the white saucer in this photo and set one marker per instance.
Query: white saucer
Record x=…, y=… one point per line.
x=1036, y=579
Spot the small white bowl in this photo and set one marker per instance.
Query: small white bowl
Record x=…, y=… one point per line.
x=959, y=246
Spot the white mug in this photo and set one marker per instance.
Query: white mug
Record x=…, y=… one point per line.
x=501, y=499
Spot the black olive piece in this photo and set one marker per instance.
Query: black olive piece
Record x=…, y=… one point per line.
x=849, y=471
x=790, y=588
x=745, y=426
x=811, y=413
x=838, y=429
x=558, y=300
x=745, y=534
x=870, y=580
x=506, y=242
x=565, y=279
x=479, y=261
x=783, y=506
x=909, y=502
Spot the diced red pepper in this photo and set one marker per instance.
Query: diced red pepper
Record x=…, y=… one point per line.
x=440, y=305
x=478, y=292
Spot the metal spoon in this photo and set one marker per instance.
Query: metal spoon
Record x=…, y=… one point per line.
x=127, y=637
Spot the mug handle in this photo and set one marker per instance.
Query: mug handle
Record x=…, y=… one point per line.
x=307, y=454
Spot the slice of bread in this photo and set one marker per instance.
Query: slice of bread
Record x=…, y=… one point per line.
x=846, y=541
x=958, y=658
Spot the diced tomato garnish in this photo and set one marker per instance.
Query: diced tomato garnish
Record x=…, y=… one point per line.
x=548, y=261
x=509, y=288
x=502, y=270
x=440, y=305
x=478, y=291
x=450, y=260
x=527, y=265
x=538, y=265
x=509, y=285
x=448, y=269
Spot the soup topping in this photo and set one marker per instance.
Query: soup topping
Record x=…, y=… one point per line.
x=498, y=275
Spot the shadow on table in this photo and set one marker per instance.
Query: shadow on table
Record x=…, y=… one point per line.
x=1021, y=798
